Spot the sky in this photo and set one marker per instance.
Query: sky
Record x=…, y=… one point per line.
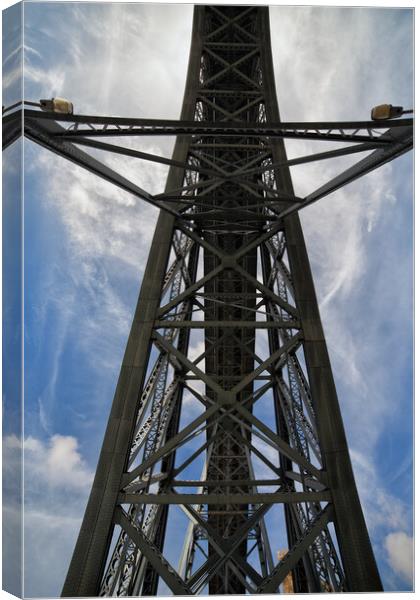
x=86, y=243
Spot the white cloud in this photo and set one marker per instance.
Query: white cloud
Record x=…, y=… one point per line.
x=57, y=482
x=335, y=227
x=48, y=396
x=12, y=442
x=12, y=77
x=117, y=59
x=13, y=54
x=333, y=80
x=357, y=303
x=338, y=56
x=389, y=522
x=383, y=511
x=400, y=549
x=63, y=460
x=31, y=51
x=107, y=231
x=101, y=221
x=50, y=537
x=103, y=57
x=136, y=74
x=196, y=349
x=53, y=79
x=56, y=463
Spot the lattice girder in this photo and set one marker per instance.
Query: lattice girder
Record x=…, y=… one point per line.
x=227, y=322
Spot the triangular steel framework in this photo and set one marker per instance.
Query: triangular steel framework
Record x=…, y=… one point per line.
x=227, y=266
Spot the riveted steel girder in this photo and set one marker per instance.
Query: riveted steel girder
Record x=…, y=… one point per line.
x=229, y=191
x=225, y=407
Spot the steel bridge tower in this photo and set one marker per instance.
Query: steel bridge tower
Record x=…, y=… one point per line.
x=225, y=426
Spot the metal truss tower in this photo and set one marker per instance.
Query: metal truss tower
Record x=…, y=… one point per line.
x=225, y=430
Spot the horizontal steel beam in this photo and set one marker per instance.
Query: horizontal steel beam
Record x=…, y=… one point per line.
x=221, y=131
x=144, y=156
x=226, y=145
x=44, y=135
x=233, y=214
x=12, y=126
x=223, y=324
x=305, y=159
x=229, y=378
x=132, y=122
x=307, y=481
x=224, y=483
x=402, y=143
x=123, y=126
x=244, y=498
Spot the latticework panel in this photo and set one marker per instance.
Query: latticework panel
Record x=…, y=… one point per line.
x=225, y=443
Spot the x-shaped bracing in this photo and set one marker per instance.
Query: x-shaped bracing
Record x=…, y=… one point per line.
x=226, y=551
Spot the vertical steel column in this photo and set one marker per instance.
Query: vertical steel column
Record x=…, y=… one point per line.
x=88, y=562
x=358, y=560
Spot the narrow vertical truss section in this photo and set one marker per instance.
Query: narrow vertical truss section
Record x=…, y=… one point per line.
x=225, y=441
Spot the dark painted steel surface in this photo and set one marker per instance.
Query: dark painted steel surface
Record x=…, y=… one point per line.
x=228, y=261
x=230, y=201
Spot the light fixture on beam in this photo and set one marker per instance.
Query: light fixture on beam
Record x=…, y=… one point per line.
x=387, y=111
x=57, y=105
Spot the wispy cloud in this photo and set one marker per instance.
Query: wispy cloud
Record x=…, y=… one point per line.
x=389, y=521
x=358, y=247
x=101, y=221
x=104, y=49
x=108, y=231
x=12, y=55
x=12, y=77
x=121, y=63
x=48, y=396
x=382, y=509
x=56, y=463
x=57, y=481
x=400, y=549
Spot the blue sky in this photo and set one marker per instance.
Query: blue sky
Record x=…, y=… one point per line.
x=86, y=245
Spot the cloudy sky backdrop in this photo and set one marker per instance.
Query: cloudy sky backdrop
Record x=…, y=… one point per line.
x=86, y=244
